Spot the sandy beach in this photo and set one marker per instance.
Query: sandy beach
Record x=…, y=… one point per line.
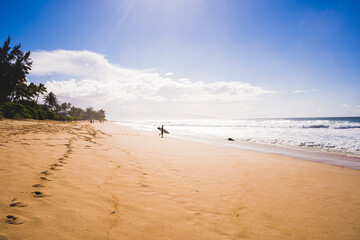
x=104, y=181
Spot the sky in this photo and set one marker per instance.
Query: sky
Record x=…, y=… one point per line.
x=172, y=59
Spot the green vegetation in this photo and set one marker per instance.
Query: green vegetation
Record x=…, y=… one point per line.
x=19, y=99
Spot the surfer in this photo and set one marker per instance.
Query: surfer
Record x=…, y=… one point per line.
x=162, y=131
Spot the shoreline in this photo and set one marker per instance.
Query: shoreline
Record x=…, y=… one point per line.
x=314, y=155
x=107, y=181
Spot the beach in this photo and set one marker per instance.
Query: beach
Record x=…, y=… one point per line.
x=62, y=180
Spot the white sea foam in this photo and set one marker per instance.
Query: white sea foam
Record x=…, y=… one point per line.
x=334, y=135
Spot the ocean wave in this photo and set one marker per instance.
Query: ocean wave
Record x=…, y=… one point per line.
x=341, y=135
x=346, y=127
x=263, y=123
x=316, y=126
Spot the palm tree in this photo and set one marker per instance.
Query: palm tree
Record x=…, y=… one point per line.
x=14, y=66
x=31, y=91
x=51, y=100
x=76, y=112
x=63, y=108
x=41, y=89
x=100, y=114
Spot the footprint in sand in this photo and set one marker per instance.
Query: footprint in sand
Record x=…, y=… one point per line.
x=45, y=179
x=38, y=185
x=18, y=204
x=39, y=194
x=143, y=185
x=46, y=173
x=56, y=165
x=10, y=219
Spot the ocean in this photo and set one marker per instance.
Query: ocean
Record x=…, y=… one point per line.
x=329, y=138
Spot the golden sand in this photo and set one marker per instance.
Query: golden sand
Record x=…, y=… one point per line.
x=104, y=181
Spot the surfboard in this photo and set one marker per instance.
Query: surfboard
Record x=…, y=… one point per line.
x=164, y=130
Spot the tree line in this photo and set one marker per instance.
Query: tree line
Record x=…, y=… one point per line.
x=66, y=109
x=19, y=98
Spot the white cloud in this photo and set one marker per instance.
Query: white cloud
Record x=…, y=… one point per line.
x=304, y=91
x=168, y=74
x=89, y=77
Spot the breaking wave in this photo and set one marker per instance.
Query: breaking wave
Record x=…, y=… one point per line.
x=338, y=135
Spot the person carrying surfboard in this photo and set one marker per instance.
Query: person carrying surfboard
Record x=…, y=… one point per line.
x=162, y=131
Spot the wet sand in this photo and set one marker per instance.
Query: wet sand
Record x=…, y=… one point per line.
x=104, y=181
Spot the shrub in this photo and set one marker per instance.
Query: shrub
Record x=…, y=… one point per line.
x=34, y=112
x=15, y=110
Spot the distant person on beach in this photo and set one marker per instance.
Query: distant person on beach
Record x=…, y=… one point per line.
x=161, y=129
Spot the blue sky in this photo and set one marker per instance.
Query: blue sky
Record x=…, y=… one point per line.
x=191, y=59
